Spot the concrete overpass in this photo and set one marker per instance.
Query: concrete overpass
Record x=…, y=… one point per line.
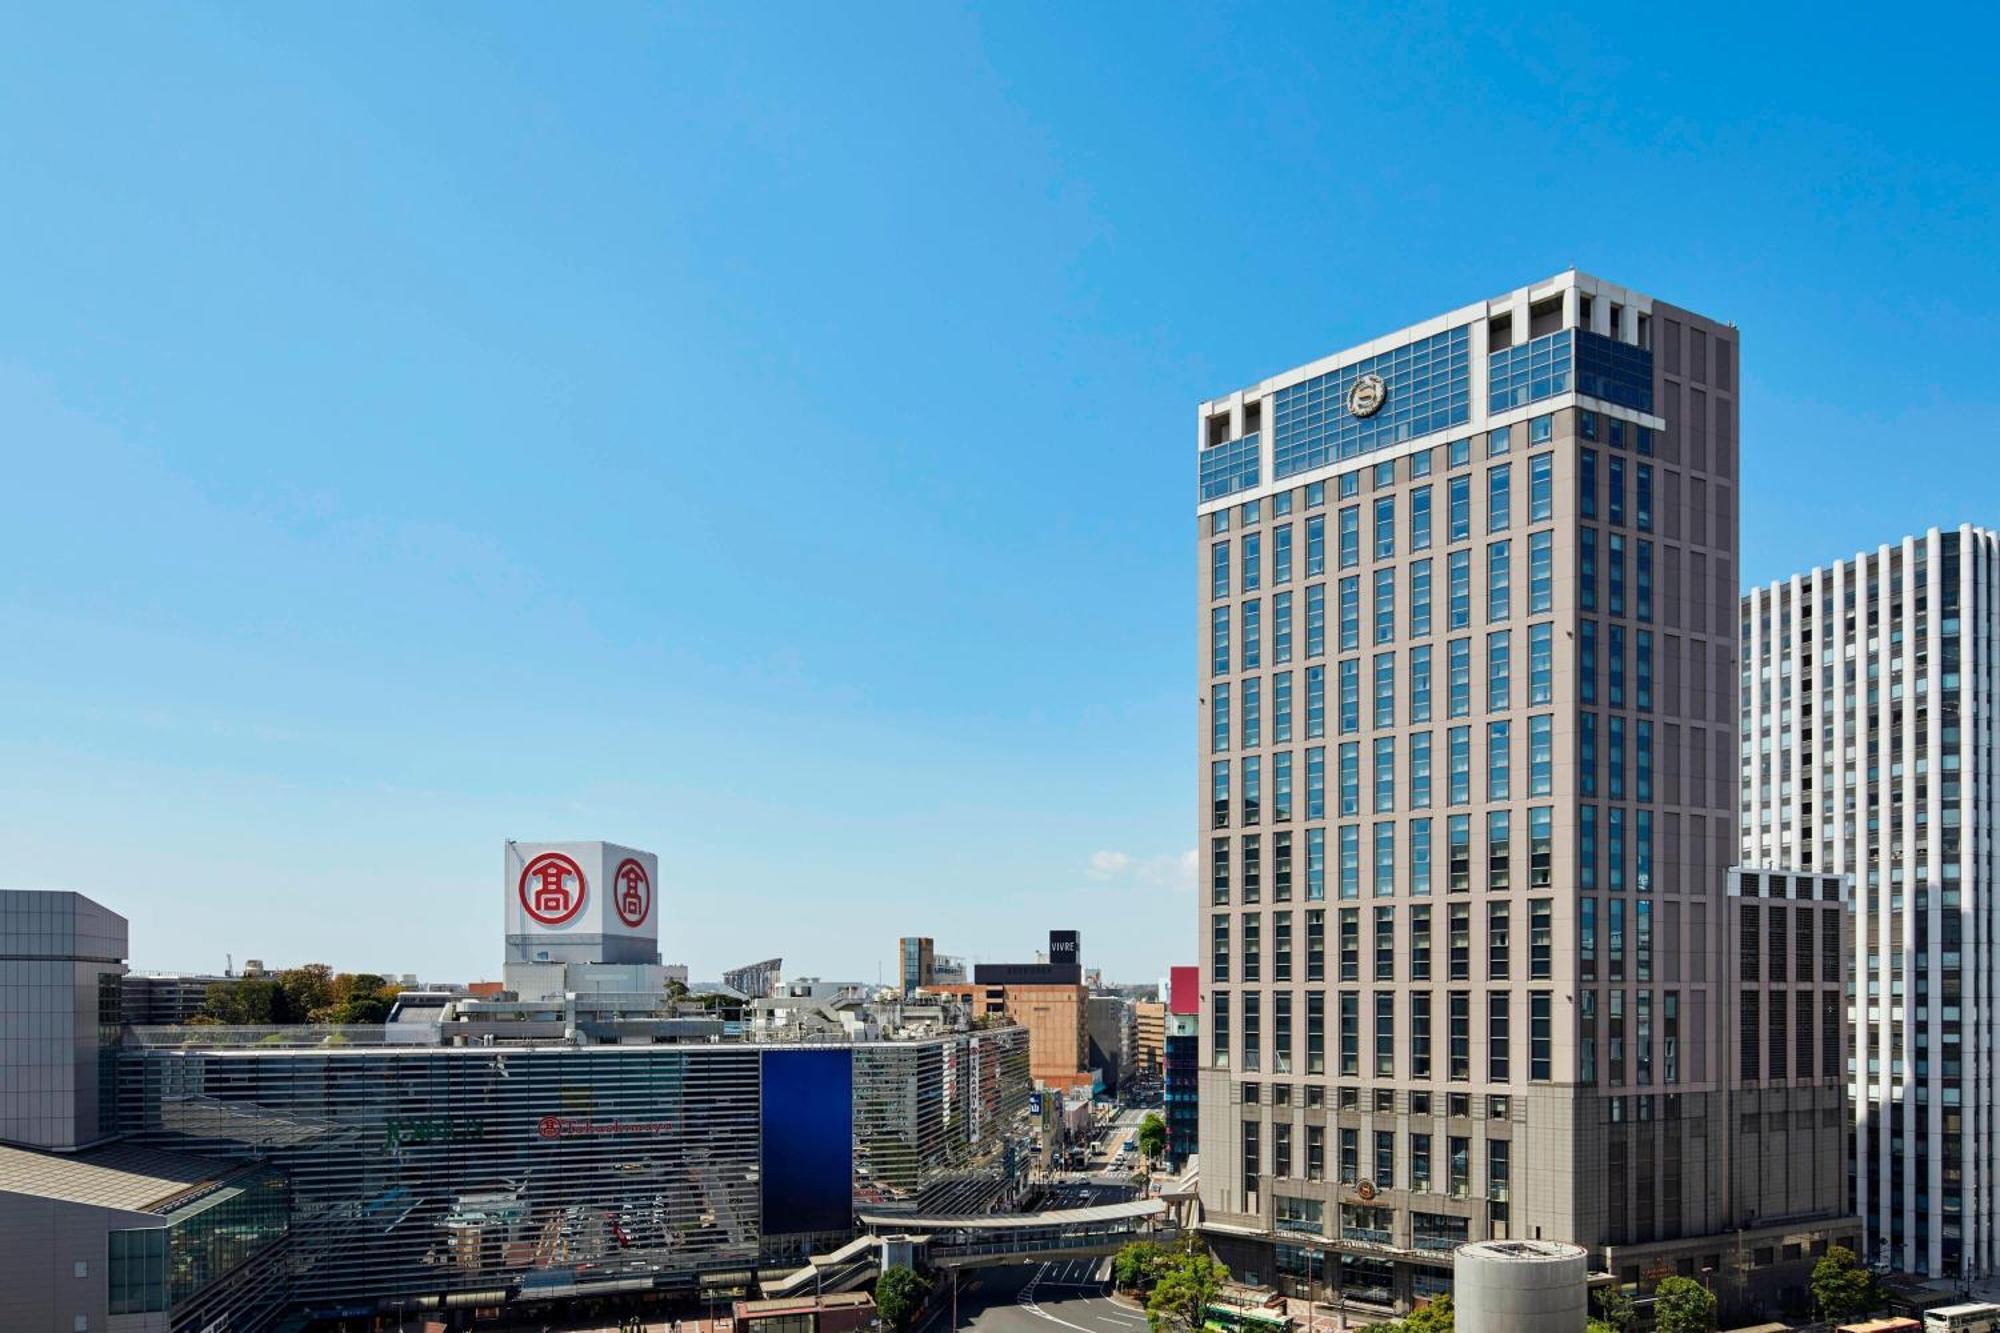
x=1004, y=1238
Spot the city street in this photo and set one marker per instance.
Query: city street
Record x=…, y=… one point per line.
x=1031, y=1298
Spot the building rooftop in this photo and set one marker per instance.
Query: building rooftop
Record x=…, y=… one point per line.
x=140, y=1180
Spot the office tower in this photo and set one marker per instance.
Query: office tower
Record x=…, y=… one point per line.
x=916, y=962
x=61, y=971
x=1467, y=677
x=1180, y=1085
x=1870, y=733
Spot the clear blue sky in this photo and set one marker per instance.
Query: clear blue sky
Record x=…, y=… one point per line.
x=763, y=433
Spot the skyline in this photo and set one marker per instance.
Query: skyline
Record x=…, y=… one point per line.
x=609, y=358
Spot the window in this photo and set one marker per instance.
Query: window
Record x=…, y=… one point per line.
x=1499, y=670
x=1458, y=566
x=1540, y=1044
x=1385, y=605
x=1499, y=497
x=1458, y=773
x=1642, y=761
x=1498, y=441
x=1218, y=783
x=1252, y=724
x=1459, y=943
x=1541, y=429
x=1498, y=592
x=1499, y=949
x=1253, y=635
x=1420, y=683
x=1350, y=535
x=1218, y=570
x=1540, y=939
x=1541, y=668
x=1385, y=527
x=1420, y=942
x=1315, y=864
x=1281, y=706
x=1350, y=613
x=1218, y=641
x=1218, y=866
x=1586, y=661
x=1541, y=847
x=1281, y=551
x=1541, y=756
x=1315, y=782
x=1586, y=483
x=1420, y=1176
x=1281, y=628
x=1458, y=492
x=1420, y=770
x=1253, y=547
x=1253, y=947
x=1315, y=1032
x=1385, y=1041
x=1350, y=861
x=1420, y=598
x=1350, y=696
x=1315, y=701
x=1458, y=853
x=1315, y=494
x=1253, y=789
x=1385, y=857
x=1498, y=1037
x=1458, y=677
x=1219, y=948
x=1385, y=774
x=1615, y=489
x=1541, y=579
x=1420, y=518
x=1219, y=1027
x=1642, y=516
x=1252, y=851
x=1316, y=544
x=1458, y=453
x=1615, y=558
x=1498, y=782
x=1643, y=601
x=1420, y=853
x=1385, y=1164
x=1253, y=1035
x=1586, y=569
x=1350, y=1062
x=1316, y=620
x=1499, y=851
x=1586, y=852
x=1642, y=662
x=1459, y=1037
x=1315, y=949
x=1218, y=714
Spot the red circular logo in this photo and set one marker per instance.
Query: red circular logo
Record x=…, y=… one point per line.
x=632, y=892
x=552, y=889
x=549, y=1127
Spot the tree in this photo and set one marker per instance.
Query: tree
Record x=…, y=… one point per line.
x=899, y=1294
x=1682, y=1305
x=1614, y=1307
x=1435, y=1316
x=1185, y=1288
x=1841, y=1287
x=1153, y=1135
x=1138, y=1264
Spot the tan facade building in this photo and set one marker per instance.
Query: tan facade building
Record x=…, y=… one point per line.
x=1056, y=1016
x=1149, y=1027
x=1467, y=623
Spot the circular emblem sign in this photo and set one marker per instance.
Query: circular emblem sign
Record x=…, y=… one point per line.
x=1365, y=399
x=1366, y=1189
x=632, y=893
x=552, y=889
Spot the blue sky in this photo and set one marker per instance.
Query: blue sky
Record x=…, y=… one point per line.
x=763, y=433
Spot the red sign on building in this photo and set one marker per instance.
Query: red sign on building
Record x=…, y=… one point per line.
x=552, y=889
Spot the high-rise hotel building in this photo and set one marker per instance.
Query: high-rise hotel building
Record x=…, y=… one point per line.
x=1871, y=739
x=1468, y=669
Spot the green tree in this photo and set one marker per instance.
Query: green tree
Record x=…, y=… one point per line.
x=1138, y=1264
x=1614, y=1307
x=1186, y=1285
x=1434, y=1316
x=304, y=989
x=1842, y=1288
x=1682, y=1305
x=1153, y=1135
x=1598, y=1326
x=899, y=1294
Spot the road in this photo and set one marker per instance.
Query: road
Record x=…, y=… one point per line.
x=1039, y=1298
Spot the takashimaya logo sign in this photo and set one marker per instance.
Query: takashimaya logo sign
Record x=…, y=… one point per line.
x=552, y=889
x=396, y=1133
x=632, y=892
x=1365, y=399
x=562, y=1127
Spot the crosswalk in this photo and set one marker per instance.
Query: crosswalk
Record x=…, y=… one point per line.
x=1074, y=1283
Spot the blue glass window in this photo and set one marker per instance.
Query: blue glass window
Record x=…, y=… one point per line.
x=1458, y=772
x=1350, y=696
x=1315, y=865
x=1316, y=620
x=1420, y=519
x=1614, y=372
x=1385, y=605
x=1499, y=497
x=1385, y=527
x=1252, y=723
x=1281, y=811
x=1281, y=552
x=1499, y=581
x=1281, y=628
x=1350, y=861
x=1350, y=613
x=1350, y=536
x=1460, y=515
x=1218, y=788
x=1541, y=757
x=1420, y=683
x=1458, y=678
x=1385, y=689
x=1218, y=641
x=1281, y=706
x=1541, y=488
x=1253, y=637
x=1499, y=670
x=1350, y=778
x=1459, y=575
x=1315, y=782
x=1219, y=717
x=1642, y=661
x=1218, y=570
x=1586, y=754
x=1316, y=545
x=1537, y=369
x=1420, y=858
x=1541, y=583
x=1498, y=783
x=1420, y=598
x=1420, y=770
x=1253, y=571
x=1229, y=468
x=1428, y=388
x=1315, y=701
x=1540, y=663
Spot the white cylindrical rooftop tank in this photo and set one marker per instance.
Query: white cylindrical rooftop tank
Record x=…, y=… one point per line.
x=1519, y=1286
